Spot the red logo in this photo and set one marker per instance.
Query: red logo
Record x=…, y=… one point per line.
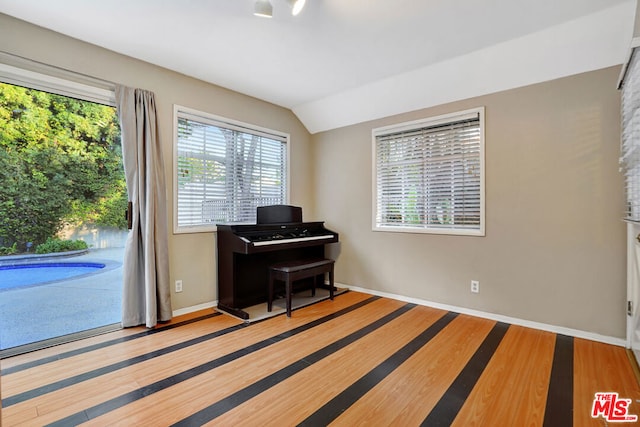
x=612, y=408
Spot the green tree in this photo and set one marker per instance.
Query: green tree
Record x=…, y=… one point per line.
x=60, y=161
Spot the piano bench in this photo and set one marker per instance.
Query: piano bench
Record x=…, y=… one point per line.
x=290, y=271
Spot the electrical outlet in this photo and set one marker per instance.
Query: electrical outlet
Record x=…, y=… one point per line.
x=475, y=286
x=178, y=285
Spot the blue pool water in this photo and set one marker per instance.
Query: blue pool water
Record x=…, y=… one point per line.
x=15, y=276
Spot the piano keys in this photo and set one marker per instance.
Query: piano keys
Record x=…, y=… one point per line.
x=245, y=253
x=280, y=240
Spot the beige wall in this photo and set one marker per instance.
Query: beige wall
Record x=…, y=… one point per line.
x=192, y=256
x=554, y=250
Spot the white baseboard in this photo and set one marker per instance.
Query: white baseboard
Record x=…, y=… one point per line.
x=187, y=310
x=497, y=317
x=621, y=342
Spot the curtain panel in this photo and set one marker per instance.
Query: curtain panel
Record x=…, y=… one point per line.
x=146, y=290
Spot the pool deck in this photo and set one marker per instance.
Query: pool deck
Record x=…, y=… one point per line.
x=36, y=313
x=10, y=260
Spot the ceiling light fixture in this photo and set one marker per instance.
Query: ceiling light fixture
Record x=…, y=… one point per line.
x=296, y=6
x=263, y=9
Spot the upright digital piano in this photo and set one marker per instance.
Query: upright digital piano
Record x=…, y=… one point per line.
x=245, y=253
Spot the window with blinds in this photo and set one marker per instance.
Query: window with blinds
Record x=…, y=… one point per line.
x=429, y=175
x=224, y=170
x=630, y=149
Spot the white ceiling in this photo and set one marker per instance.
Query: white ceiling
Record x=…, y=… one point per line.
x=346, y=61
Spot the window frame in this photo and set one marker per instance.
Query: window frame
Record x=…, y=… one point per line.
x=24, y=72
x=425, y=123
x=179, y=112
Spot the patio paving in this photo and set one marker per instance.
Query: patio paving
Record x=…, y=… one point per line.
x=41, y=312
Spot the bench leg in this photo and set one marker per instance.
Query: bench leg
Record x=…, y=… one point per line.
x=288, y=292
x=331, y=282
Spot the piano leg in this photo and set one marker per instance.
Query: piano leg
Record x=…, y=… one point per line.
x=234, y=311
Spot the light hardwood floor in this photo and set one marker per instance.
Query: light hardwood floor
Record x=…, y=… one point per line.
x=357, y=360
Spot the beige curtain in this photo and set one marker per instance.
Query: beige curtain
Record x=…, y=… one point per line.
x=146, y=292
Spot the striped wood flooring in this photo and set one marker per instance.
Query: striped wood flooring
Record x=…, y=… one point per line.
x=357, y=360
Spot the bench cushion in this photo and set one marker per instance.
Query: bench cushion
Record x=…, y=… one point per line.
x=299, y=265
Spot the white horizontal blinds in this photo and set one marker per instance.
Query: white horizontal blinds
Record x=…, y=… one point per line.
x=429, y=177
x=225, y=171
x=630, y=155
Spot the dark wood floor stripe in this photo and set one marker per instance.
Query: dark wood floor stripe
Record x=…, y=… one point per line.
x=101, y=345
x=340, y=403
x=85, y=376
x=215, y=410
x=559, y=408
x=142, y=392
x=452, y=400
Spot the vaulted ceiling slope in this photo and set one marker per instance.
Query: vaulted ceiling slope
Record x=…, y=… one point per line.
x=341, y=62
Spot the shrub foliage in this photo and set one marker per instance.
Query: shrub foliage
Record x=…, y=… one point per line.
x=57, y=245
x=60, y=162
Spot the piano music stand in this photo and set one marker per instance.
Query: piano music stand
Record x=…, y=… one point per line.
x=278, y=214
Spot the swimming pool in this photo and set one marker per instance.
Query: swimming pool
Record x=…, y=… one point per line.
x=16, y=276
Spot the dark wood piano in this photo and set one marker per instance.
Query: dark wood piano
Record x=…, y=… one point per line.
x=245, y=253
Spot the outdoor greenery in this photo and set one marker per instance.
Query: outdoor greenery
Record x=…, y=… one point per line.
x=10, y=250
x=57, y=245
x=60, y=163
